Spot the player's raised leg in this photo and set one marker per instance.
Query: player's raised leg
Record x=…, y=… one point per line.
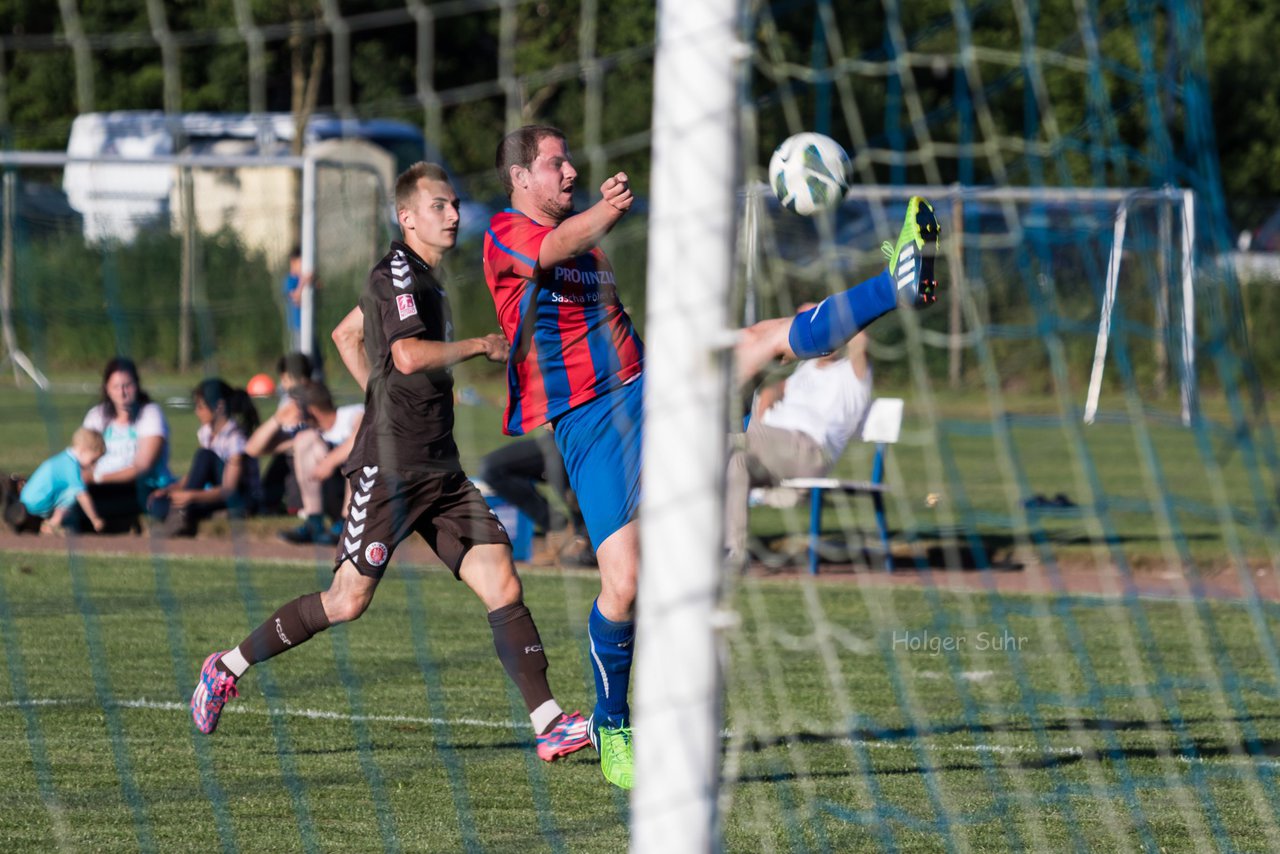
x=907, y=281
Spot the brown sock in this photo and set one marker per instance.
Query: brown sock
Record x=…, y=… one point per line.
x=294, y=623
x=520, y=650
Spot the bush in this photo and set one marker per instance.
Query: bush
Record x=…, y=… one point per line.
x=77, y=305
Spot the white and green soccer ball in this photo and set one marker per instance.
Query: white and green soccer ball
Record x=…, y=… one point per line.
x=809, y=172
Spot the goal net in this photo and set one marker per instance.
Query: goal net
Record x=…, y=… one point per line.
x=1061, y=470
x=1042, y=607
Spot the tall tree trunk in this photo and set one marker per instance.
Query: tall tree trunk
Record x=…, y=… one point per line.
x=304, y=92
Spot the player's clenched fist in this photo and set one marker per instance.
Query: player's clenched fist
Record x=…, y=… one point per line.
x=617, y=191
x=495, y=347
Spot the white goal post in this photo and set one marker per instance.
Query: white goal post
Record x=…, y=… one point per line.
x=307, y=167
x=691, y=267
x=1186, y=198
x=677, y=681
x=1123, y=201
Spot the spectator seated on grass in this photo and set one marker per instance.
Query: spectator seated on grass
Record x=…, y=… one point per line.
x=222, y=475
x=55, y=496
x=321, y=436
x=280, y=495
x=137, y=438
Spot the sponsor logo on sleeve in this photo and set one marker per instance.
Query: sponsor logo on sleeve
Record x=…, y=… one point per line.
x=406, y=306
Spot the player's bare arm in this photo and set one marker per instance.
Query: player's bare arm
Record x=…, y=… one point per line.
x=412, y=355
x=348, y=337
x=580, y=232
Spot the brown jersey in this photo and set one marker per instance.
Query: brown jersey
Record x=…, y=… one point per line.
x=408, y=418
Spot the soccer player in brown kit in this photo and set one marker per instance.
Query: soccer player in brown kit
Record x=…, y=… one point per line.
x=405, y=475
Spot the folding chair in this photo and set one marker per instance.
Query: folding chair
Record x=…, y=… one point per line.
x=881, y=426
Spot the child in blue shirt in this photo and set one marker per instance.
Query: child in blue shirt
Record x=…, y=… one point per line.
x=57, y=487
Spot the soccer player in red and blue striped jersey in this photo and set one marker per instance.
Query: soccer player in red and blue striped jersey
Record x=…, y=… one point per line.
x=576, y=363
x=577, y=340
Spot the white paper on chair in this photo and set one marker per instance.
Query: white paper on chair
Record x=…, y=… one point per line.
x=884, y=420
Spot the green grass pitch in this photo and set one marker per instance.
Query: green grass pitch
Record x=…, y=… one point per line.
x=858, y=717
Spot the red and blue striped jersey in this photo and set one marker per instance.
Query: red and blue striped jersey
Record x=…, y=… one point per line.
x=571, y=339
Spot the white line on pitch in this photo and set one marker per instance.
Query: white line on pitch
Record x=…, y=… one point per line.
x=317, y=714
x=968, y=748
x=243, y=709
x=1230, y=760
x=871, y=744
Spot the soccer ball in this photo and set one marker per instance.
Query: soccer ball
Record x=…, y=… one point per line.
x=809, y=172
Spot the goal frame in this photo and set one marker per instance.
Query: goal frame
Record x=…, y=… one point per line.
x=307, y=166
x=1123, y=199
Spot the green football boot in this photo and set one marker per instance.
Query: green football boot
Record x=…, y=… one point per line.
x=617, y=760
x=911, y=260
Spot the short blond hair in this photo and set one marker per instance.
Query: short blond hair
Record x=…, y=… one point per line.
x=85, y=439
x=407, y=181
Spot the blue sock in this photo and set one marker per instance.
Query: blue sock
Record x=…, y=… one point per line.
x=841, y=316
x=611, y=651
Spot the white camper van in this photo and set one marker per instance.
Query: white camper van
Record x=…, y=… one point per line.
x=116, y=200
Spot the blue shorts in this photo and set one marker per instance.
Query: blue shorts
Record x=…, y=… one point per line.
x=600, y=442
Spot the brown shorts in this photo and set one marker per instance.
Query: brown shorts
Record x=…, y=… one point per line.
x=444, y=508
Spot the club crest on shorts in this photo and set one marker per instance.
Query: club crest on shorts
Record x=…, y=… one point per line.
x=375, y=554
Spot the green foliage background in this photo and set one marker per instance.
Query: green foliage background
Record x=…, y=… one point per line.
x=124, y=298
x=79, y=305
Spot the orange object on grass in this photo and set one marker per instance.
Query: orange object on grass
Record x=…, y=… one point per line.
x=261, y=385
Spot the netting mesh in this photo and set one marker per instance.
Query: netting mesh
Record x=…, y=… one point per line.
x=1127, y=700
x=1077, y=648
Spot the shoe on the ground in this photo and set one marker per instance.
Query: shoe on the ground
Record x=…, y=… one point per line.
x=15, y=514
x=578, y=554
x=569, y=735
x=553, y=542
x=911, y=259
x=319, y=534
x=179, y=523
x=617, y=759
x=211, y=694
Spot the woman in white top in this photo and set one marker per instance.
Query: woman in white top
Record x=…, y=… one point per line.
x=137, y=438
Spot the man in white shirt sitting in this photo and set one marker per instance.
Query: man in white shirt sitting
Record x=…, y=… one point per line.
x=799, y=428
x=322, y=436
